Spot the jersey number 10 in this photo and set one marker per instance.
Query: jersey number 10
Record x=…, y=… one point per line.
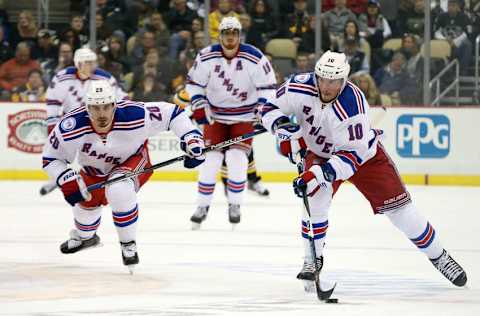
x=355, y=132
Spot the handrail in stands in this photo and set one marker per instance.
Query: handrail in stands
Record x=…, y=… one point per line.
x=436, y=81
x=477, y=49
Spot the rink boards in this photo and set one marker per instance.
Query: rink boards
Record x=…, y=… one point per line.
x=430, y=145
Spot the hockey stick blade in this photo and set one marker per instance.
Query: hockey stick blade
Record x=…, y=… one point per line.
x=226, y=143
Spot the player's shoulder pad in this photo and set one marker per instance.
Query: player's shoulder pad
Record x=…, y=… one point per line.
x=75, y=124
x=155, y=109
x=66, y=73
x=211, y=52
x=129, y=111
x=250, y=53
x=303, y=83
x=102, y=73
x=350, y=102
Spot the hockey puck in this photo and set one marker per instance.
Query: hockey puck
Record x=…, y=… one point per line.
x=331, y=300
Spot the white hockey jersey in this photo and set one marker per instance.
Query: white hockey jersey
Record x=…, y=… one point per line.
x=67, y=92
x=339, y=131
x=133, y=123
x=233, y=87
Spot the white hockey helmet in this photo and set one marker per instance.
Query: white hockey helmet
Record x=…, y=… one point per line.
x=230, y=23
x=333, y=66
x=100, y=92
x=82, y=55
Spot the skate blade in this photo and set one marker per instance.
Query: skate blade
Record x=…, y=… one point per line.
x=195, y=226
x=233, y=226
x=309, y=286
x=131, y=268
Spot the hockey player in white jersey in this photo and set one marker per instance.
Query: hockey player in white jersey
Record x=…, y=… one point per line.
x=109, y=139
x=226, y=83
x=334, y=131
x=67, y=91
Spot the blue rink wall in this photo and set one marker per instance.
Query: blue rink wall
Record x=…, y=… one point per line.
x=434, y=146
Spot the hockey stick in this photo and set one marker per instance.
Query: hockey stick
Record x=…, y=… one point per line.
x=226, y=143
x=323, y=295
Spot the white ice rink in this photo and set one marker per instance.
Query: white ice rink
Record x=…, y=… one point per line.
x=250, y=271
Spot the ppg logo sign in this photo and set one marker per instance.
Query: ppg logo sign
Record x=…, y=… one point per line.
x=423, y=136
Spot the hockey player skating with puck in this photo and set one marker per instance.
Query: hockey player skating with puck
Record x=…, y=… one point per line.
x=68, y=88
x=334, y=131
x=109, y=140
x=226, y=83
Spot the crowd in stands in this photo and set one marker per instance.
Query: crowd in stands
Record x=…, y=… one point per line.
x=149, y=45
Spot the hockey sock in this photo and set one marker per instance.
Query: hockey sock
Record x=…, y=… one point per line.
x=417, y=229
x=123, y=200
x=207, y=177
x=86, y=220
x=320, y=227
x=237, y=163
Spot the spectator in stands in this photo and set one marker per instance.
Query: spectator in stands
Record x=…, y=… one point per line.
x=301, y=63
x=179, y=20
x=404, y=7
x=393, y=79
x=103, y=30
x=414, y=67
x=307, y=41
x=150, y=90
x=25, y=31
x=455, y=27
x=104, y=62
x=375, y=24
x=298, y=20
x=351, y=30
x=414, y=60
x=117, y=52
x=214, y=18
x=197, y=43
x=164, y=70
x=117, y=17
x=45, y=50
x=159, y=28
x=5, y=49
x=147, y=43
x=75, y=34
x=248, y=35
x=32, y=91
x=366, y=83
x=14, y=72
x=197, y=25
x=335, y=20
x=357, y=59
x=263, y=21
x=237, y=5
x=413, y=21
x=64, y=60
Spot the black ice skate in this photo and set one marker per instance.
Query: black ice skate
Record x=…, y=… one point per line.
x=257, y=187
x=199, y=216
x=75, y=243
x=308, y=271
x=129, y=254
x=234, y=214
x=450, y=269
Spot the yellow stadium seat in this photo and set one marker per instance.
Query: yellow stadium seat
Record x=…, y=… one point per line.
x=282, y=48
x=393, y=44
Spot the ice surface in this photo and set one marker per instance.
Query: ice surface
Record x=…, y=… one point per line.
x=250, y=271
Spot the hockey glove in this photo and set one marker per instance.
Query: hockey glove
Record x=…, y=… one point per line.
x=192, y=144
x=201, y=112
x=291, y=141
x=73, y=187
x=314, y=179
